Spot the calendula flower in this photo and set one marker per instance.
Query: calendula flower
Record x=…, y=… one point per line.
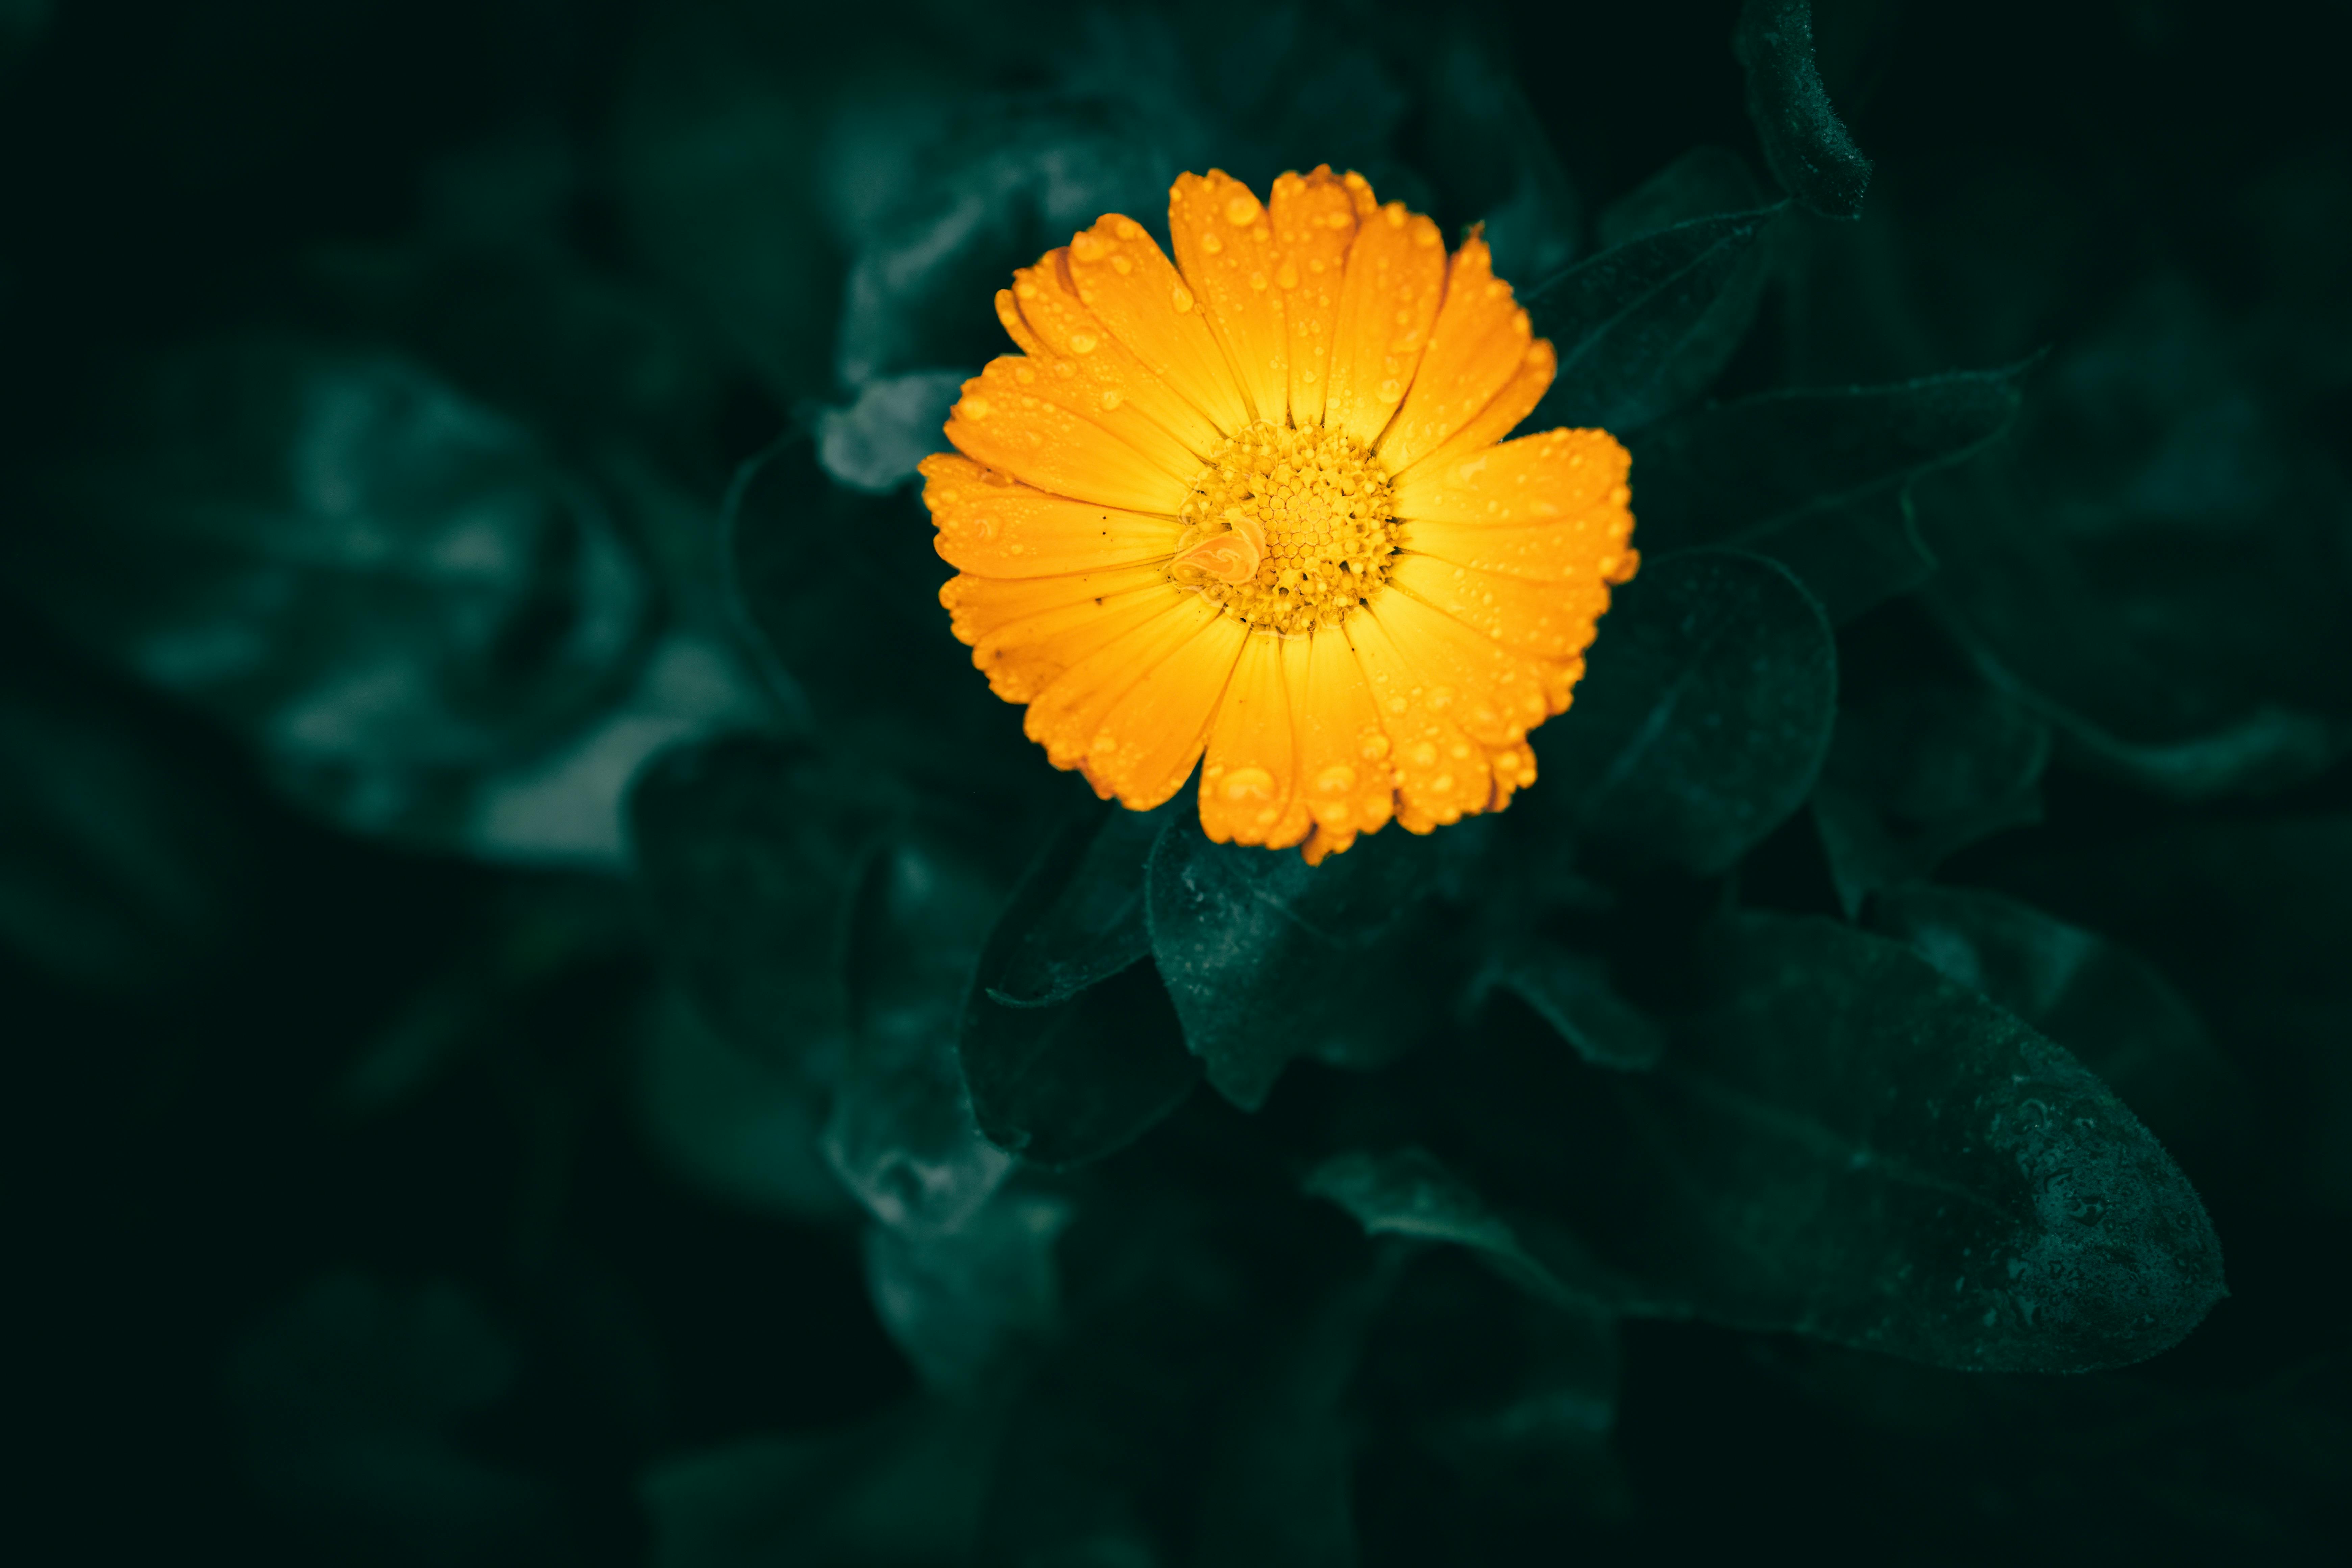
x=1259, y=502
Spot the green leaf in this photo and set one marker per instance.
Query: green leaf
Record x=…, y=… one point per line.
x=1077, y=918
x=1810, y=151
x=748, y=850
x=1844, y=1144
x=1817, y=478
x=1411, y=1194
x=1703, y=721
x=2112, y=1008
x=1641, y=329
x=1701, y=182
x=902, y=1134
x=1268, y=958
x=1571, y=993
x=1065, y=1084
x=1928, y=758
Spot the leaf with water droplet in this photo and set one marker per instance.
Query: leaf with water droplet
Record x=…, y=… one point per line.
x=1841, y=1142
x=1703, y=720
x=1808, y=146
x=1268, y=958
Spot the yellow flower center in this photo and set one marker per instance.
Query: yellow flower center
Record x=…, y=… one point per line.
x=1289, y=529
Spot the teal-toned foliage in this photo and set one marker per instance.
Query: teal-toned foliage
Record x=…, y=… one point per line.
x=559, y=1020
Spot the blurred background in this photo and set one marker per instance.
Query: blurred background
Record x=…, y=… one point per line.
x=374, y=383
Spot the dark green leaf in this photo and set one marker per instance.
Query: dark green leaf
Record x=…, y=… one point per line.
x=1700, y=183
x=1703, y=720
x=902, y=1133
x=1842, y=1144
x=2102, y=1001
x=1571, y=993
x=1077, y=918
x=1641, y=329
x=1928, y=758
x=1411, y=1194
x=1817, y=479
x=1268, y=958
x=1487, y=147
x=1064, y=1084
x=1807, y=145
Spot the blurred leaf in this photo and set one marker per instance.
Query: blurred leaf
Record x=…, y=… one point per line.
x=1842, y=1143
x=346, y=1403
x=1110, y=1435
x=1700, y=183
x=1810, y=151
x=1411, y=1194
x=1643, y=327
x=902, y=1489
x=1268, y=958
x=1571, y=993
x=1817, y=479
x=1070, y=1082
x=125, y=861
x=875, y=444
x=386, y=588
x=740, y=1126
x=959, y=1304
x=2155, y=563
x=2101, y=1001
x=1928, y=758
x=748, y=850
x=1280, y=1482
x=1705, y=718
x=902, y=1133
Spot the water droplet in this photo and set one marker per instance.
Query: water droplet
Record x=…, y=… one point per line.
x=1425, y=754
x=1025, y=375
x=1083, y=343
x=1248, y=784
x=1337, y=779
x=1121, y=265
x=1210, y=243
x=1257, y=281
x=1182, y=298
x=1128, y=228
x=1242, y=210
x=1288, y=275
x=1391, y=390
x=1442, y=783
x=1110, y=399
x=974, y=408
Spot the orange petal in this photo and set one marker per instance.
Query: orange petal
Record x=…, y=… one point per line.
x=1249, y=785
x=1067, y=716
x=1552, y=621
x=992, y=525
x=1441, y=770
x=1477, y=348
x=1225, y=245
x=1024, y=632
x=1558, y=551
x=1044, y=314
x=1545, y=477
x=1497, y=696
x=1388, y=302
x=1005, y=424
x=1345, y=774
x=1119, y=274
x=1503, y=411
x=1314, y=224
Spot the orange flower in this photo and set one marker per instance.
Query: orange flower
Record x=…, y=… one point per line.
x=1254, y=503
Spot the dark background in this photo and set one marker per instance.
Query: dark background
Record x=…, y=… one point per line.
x=193, y=1148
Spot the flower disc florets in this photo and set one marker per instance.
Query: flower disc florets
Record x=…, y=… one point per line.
x=1289, y=527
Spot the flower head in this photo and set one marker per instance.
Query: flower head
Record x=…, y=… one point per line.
x=1257, y=502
